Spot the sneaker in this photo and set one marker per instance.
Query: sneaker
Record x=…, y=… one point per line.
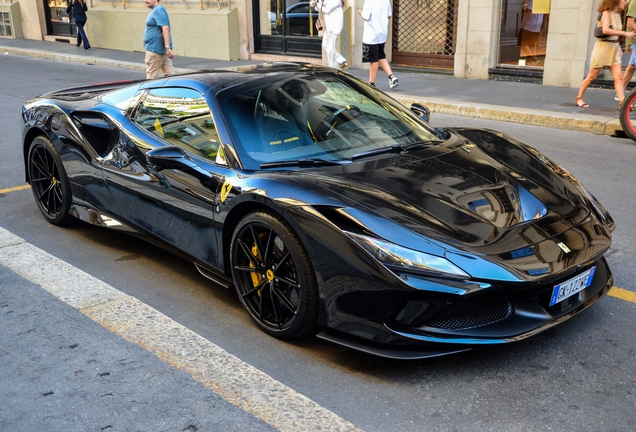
x=616, y=97
x=370, y=83
x=393, y=81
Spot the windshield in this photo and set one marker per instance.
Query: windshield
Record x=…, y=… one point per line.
x=331, y=117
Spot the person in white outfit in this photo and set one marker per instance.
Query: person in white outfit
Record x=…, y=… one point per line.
x=376, y=14
x=332, y=10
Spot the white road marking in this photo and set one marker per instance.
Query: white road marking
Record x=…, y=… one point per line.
x=236, y=381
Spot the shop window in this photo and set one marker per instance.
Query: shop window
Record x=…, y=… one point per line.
x=523, y=33
x=58, y=20
x=5, y=24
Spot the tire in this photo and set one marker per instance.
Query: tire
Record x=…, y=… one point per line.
x=628, y=114
x=49, y=182
x=273, y=276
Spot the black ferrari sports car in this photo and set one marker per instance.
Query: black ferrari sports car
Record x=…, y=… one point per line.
x=331, y=208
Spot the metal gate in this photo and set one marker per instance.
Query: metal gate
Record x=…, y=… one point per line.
x=424, y=32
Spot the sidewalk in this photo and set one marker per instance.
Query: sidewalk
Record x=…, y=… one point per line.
x=525, y=103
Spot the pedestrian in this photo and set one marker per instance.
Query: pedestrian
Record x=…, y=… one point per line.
x=376, y=14
x=157, y=41
x=631, y=43
x=607, y=52
x=78, y=8
x=334, y=21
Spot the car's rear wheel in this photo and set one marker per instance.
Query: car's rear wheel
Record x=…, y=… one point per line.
x=49, y=182
x=628, y=114
x=273, y=276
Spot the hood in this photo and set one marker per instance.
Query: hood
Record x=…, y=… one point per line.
x=479, y=191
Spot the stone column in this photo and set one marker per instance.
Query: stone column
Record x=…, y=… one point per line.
x=570, y=39
x=476, y=38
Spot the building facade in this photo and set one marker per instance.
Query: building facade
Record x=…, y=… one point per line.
x=548, y=41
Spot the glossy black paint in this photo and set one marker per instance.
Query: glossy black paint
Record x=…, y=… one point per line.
x=540, y=227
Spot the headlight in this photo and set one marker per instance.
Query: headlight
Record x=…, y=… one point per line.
x=407, y=260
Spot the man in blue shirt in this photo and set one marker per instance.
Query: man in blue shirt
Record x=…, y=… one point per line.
x=157, y=41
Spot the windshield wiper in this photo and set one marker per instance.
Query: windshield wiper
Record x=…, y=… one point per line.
x=397, y=148
x=421, y=144
x=302, y=163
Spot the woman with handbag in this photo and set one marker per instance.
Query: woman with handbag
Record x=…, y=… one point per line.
x=334, y=21
x=607, y=50
x=79, y=8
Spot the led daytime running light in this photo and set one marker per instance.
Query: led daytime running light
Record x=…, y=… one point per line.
x=408, y=260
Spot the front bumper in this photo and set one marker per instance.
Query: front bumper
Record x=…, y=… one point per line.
x=450, y=323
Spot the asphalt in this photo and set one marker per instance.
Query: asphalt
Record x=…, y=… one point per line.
x=519, y=102
x=80, y=355
x=70, y=363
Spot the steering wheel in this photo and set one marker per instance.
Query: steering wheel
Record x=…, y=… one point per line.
x=258, y=102
x=333, y=118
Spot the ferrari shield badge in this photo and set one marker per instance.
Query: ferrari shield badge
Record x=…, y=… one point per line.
x=225, y=190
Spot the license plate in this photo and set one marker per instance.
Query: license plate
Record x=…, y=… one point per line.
x=570, y=287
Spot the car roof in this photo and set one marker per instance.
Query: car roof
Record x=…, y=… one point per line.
x=220, y=79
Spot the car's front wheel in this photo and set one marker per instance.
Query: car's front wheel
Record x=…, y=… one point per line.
x=273, y=276
x=49, y=182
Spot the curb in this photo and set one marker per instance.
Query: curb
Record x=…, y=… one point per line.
x=70, y=58
x=598, y=125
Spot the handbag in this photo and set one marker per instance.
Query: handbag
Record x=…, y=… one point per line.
x=598, y=31
x=318, y=24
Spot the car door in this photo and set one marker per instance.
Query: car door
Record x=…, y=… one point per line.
x=170, y=205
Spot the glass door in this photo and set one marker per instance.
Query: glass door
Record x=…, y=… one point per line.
x=287, y=27
x=58, y=22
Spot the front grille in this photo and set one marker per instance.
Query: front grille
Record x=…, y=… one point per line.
x=474, y=312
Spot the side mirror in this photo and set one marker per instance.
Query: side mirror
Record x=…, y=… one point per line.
x=421, y=111
x=174, y=157
x=171, y=157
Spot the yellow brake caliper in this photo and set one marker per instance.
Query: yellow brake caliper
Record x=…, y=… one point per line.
x=257, y=276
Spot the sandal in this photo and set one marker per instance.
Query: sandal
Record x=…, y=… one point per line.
x=631, y=108
x=580, y=103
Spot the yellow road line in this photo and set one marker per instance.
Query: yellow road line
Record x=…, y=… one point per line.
x=623, y=294
x=15, y=189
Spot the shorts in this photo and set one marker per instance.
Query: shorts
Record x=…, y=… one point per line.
x=372, y=53
x=632, y=59
x=158, y=62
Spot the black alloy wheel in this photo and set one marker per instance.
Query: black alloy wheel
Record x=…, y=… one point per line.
x=49, y=182
x=627, y=114
x=273, y=276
